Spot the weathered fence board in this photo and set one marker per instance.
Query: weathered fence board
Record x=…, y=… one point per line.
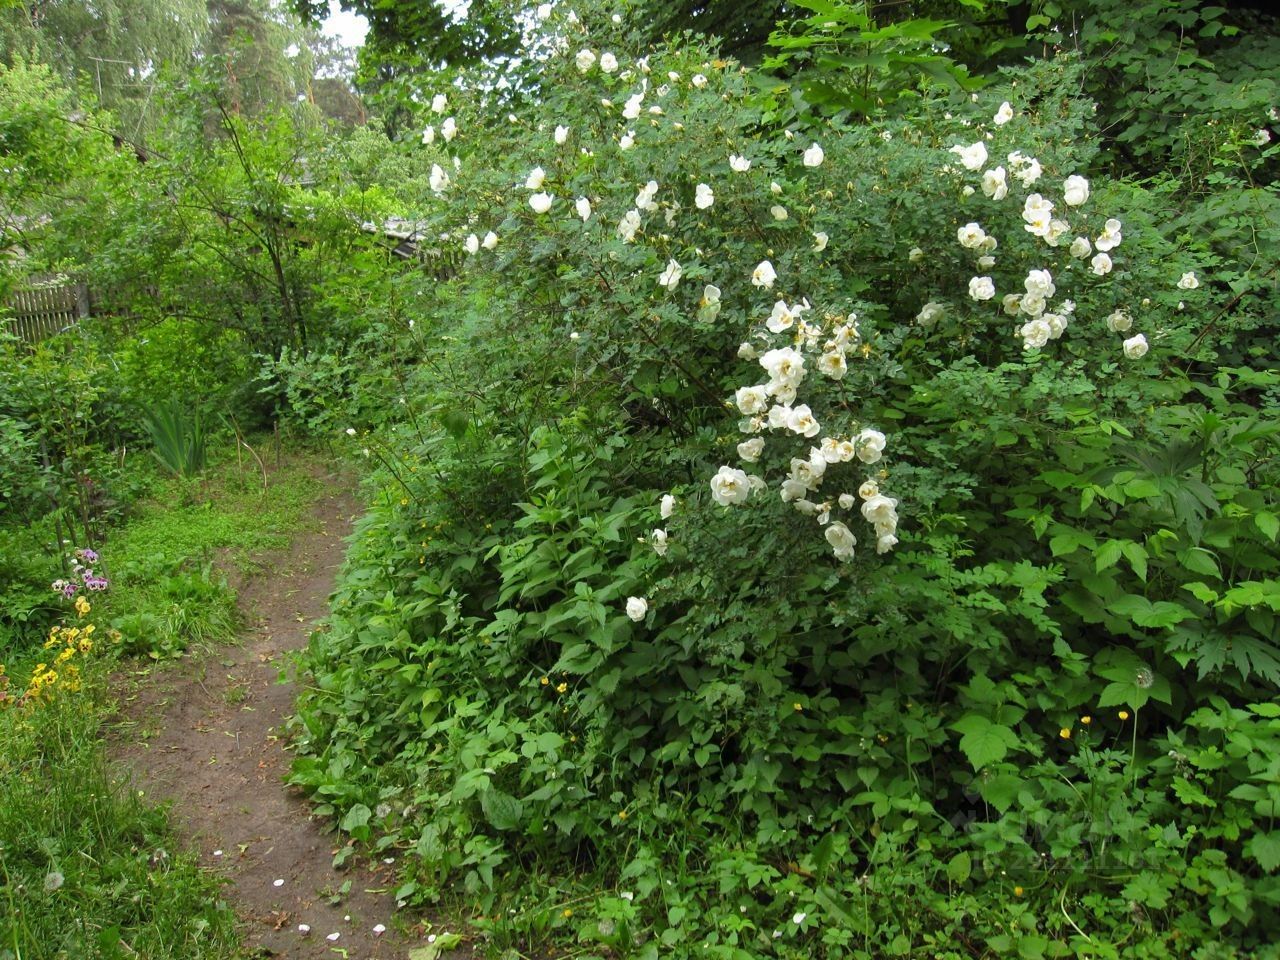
x=44, y=309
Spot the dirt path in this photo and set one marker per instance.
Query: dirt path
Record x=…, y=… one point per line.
x=208, y=735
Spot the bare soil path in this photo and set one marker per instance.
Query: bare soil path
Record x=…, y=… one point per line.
x=207, y=733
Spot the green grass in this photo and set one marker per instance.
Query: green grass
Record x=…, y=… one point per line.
x=87, y=869
x=166, y=594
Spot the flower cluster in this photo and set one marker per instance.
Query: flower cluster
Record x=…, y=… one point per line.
x=66, y=644
x=801, y=343
x=1037, y=320
x=82, y=576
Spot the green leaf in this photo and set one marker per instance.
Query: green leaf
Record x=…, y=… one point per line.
x=501, y=809
x=1265, y=848
x=982, y=741
x=960, y=867
x=435, y=949
x=358, y=816
x=1268, y=523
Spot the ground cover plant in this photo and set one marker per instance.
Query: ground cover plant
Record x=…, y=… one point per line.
x=869, y=549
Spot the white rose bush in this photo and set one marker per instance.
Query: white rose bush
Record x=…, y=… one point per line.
x=794, y=485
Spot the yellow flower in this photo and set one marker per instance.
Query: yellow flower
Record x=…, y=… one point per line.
x=622, y=814
x=1086, y=720
x=1123, y=714
x=562, y=688
x=797, y=706
x=544, y=681
x=1065, y=733
x=82, y=606
x=1017, y=891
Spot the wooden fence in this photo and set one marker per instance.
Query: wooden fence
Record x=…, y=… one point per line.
x=43, y=309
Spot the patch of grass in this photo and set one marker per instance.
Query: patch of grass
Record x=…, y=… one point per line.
x=166, y=593
x=86, y=868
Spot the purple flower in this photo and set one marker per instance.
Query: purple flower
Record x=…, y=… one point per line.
x=87, y=555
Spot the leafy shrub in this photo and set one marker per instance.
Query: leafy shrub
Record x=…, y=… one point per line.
x=795, y=747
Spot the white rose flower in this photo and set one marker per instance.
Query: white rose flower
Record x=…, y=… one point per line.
x=779, y=212
x=1040, y=282
x=775, y=187
x=627, y=141
x=541, y=202
x=846, y=501
x=608, y=62
x=471, y=244
x=801, y=421
x=438, y=103
x=842, y=543
x=1135, y=348
x=885, y=542
x=1035, y=334
x=785, y=365
x=585, y=60
x=971, y=236
x=644, y=199
x=562, y=134
x=1110, y=237
x=739, y=164
x=698, y=80
x=915, y=255
x=1029, y=172
x=986, y=263
x=703, y=197
x=808, y=472
x=490, y=240
x=637, y=607
x=868, y=489
x=1119, y=322
x=1003, y=115
x=781, y=318
x=429, y=135
x=752, y=400
x=879, y=509
x=535, y=179
x=982, y=288
x=972, y=157
x=730, y=486
x=1080, y=248
x=1075, y=190
x=994, y=184
x=671, y=275
x=631, y=109
x=1101, y=264
x=1189, y=281
x=448, y=130
x=439, y=180
x=1032, y=304
x=750, y=450
x=666, y=506
x=628, y=226
x=820, y=241
x=658, y=540
x=778, y=415
x=1012, y=303
x=747, y=351
x=763, y=275
x=930, y=313
x=814, y=156
x=870, y=445
x=833, y=365
x=1057, y=324
x=583, y=207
